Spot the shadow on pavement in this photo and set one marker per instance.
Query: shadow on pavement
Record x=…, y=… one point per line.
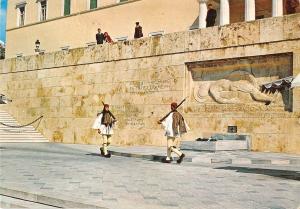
x=94, y=154
x=286, y=174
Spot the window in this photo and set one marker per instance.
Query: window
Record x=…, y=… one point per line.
x=20, y=7
x=67, y=7
x=43, y=10
x=21, y=16
x=93, y=4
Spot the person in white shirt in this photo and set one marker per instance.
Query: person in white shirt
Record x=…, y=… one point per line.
x=175, y=127
x=104, y=123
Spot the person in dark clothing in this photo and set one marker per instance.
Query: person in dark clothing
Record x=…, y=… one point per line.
x=211, y=16
x=291, y=6
x=99, y=37
x=138, y=33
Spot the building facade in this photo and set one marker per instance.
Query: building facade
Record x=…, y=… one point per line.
x=61, y=24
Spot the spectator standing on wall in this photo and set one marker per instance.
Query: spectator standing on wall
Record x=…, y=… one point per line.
x=291, y=5
x=107, y=38
x=211, y=16
x=138, y=33
x=99, y=37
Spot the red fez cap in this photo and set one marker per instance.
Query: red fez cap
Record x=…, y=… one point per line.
x=173, y=104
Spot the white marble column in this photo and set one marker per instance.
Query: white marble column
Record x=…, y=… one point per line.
x=249, y=10
x=224, y=12
x=202, y=13
x=277, y=8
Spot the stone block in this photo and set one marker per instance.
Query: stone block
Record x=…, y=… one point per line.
x=270, y=142
x=239, y=34
x=271, y=29
x=100, y=53
x=291, y=27
x=156, y=45
x=210, y=38
x=20, y=64
x=192, y=42
x=221, y=145
x=141, y=47
x=174, y=42
x=10, y=65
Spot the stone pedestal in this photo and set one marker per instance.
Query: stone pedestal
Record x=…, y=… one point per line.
x=220, y=142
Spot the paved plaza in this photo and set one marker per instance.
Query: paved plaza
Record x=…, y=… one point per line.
x=50, y=175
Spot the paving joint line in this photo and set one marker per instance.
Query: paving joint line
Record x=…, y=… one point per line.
x=45, y=200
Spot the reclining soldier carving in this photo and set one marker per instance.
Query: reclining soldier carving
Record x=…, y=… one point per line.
x=218, y=89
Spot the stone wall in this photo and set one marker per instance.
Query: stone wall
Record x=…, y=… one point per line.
x=140, y=78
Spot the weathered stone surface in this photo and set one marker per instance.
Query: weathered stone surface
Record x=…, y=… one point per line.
x=240, y=34
x=210, y=38
x=291, y=26
x=140, y=78
x=271, y=30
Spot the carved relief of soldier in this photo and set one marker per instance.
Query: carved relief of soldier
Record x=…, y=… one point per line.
x=104, y=123
x=225, y=91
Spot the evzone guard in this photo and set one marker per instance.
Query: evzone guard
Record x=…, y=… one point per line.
x=105, y=123
x=175, y=127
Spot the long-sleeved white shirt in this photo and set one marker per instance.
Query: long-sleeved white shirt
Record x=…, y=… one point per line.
x=168, y=125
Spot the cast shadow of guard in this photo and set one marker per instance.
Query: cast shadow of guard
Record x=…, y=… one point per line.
x=285, y=174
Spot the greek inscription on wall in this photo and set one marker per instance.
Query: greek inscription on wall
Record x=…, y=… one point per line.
x=135, y=123
x=150, y=86
x=129, y=110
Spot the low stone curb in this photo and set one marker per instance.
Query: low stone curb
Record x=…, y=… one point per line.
x=199, y=159
x=23, y=141
x=157, y=158
x=45, y=200
x=247, y=161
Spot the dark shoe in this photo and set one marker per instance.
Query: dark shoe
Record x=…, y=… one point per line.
x=107, y=155
x=180, y=158
x=164, y=160
x=101, y=151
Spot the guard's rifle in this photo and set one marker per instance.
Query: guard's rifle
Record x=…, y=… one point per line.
x=161, y=120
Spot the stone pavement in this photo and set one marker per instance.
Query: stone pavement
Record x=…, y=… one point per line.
x=76, y=176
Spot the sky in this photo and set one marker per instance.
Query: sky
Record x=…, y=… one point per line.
x=3, y=5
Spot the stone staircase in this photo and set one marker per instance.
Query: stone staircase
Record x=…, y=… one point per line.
x=24, y=134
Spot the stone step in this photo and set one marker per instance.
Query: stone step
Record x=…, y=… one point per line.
x=24, y=134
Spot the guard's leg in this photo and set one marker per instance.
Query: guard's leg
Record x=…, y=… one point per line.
x=108, y=137
x=101, y=146
x=108, y=140
x=169, y=145
x=177, y=143
x=104, y=144
x=180, y=154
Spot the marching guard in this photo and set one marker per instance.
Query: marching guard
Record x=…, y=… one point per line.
x=175, y=127
x=105, y=123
